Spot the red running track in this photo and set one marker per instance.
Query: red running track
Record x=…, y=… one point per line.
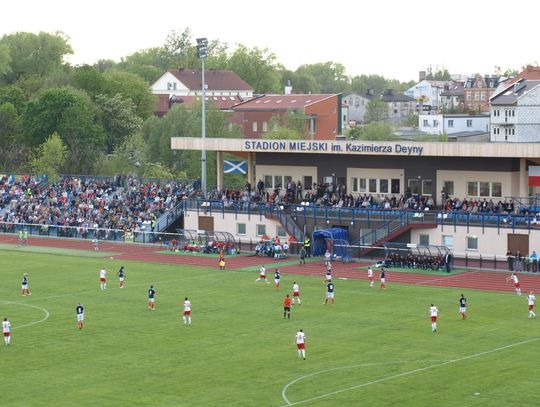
x=479, y=280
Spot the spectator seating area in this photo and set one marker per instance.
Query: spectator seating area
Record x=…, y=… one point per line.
x=91, y=204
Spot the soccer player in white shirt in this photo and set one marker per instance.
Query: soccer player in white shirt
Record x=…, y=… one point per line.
x=103, y=278
x=80, y=315
x=187, y=311
x=370, y=277
x=296, y=292
x=327, y=258
x=514, y=278
x=531, y=300
x=262, y=275
x=300, y=341
x=6, y=330
x=433, y=312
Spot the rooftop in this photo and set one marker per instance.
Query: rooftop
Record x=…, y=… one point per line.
x=214, y=79
x=511, y=94
x=282, y=102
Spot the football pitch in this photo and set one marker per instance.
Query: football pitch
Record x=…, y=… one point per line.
x=372, y=348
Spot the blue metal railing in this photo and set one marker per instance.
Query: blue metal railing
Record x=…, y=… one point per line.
x=342, y=215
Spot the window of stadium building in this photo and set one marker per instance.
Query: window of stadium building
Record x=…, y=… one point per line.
x=240, y=229
x=448, y=241
x=261, y=230
x=375, y=185
x=414, y=186
x=268, y=181
x=308, y=182
x=280, y=231
x=423, y=240
x=484, y=189
x=449, y=187
x=472, y=243
x=427, y=187
x=383, y=186
x=278, y=181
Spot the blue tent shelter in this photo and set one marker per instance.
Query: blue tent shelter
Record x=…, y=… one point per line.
x=334, y=239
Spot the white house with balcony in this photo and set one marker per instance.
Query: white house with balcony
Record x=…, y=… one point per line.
x=453, y=123
x=515, y=113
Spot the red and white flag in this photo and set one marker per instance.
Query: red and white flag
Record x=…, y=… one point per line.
x=534, y=176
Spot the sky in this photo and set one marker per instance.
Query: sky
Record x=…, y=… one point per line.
x=394, y=38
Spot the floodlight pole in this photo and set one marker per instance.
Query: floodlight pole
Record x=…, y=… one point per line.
x=202, y=49
x=203, y=135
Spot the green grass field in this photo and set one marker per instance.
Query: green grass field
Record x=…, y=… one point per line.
x=372, y=348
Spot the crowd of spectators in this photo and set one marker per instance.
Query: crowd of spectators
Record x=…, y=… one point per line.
x=91, y=204
x=12, y=188
x=336, y=196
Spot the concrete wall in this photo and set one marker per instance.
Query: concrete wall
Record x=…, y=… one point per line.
x=229, y=223
x=509, y=181
x=296, y=172
x=490, y=241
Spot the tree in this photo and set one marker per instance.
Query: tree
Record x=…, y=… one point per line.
x=302, y=82
x=44, y=115
x=13, y=152
x=180, y=51
x=70, y=113
x=14, y=95
x=35, y=54
x=330, y=76
x=258, y=67
x=118, y=119
x=133, y=87
x=282, y=133
x=376, y=111
x=89, y=79
x=158, y=170
x=375, y=131
x=84, y=138
x=51, y=157
x=128, y=158
x=5, y=60
x=362, y=83
x=439, y=74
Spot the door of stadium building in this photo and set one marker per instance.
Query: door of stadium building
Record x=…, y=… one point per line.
x=518, y=242
x=206, y=223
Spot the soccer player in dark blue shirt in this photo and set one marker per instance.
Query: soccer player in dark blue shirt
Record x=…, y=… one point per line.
x=151, y=298
x=121, y=274
x=329, y=292
x=463, y=307
x=24, y=285
x=277, y=278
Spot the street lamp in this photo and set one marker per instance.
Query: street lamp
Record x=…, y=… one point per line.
x=202, y=52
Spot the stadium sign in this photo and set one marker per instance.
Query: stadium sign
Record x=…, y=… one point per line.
x=294, y=146
x=380, y=148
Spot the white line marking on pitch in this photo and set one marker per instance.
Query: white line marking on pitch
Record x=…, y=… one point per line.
x=47, y=314
x=410, y=372
x=448, y=277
